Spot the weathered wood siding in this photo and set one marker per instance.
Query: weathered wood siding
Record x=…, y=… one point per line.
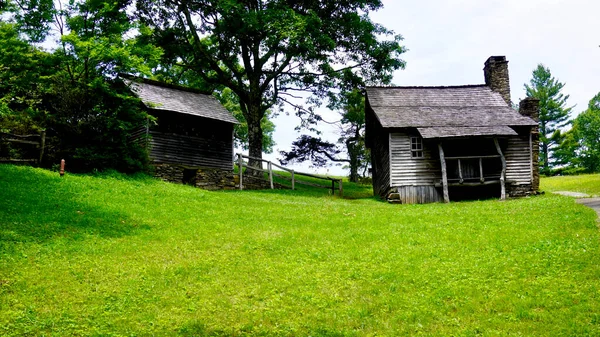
x=518, y=160
x=377, y=140
x=419, y=194
x=190, y=151
x=191, y=141
x=408, y=171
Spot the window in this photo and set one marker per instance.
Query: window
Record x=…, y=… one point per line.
x=416, y=147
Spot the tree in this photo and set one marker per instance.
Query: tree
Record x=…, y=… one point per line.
x=553, y=111
x=89, y=114
x=580, y=150
x=232, y=103
x=270, y=52
x=352, y=108
x=23, y=70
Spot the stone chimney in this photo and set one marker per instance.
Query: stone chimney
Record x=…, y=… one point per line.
x=530, y=107
x=495, y=72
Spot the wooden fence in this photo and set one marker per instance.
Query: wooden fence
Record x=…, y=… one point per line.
x=39, y=140
x=241, y=164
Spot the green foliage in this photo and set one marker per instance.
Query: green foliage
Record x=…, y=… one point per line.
x=268, y=51
x=231, y=102
x=351, y=106
x=117, y=255
x=71, y=92
x=580, y=149
x=24, y=72
x=553, y=112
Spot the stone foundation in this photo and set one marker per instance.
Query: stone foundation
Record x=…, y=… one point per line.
x=252, y=183
x=206, y=178
x=211, y=179
x=517, y=191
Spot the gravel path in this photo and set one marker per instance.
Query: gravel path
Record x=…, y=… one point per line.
x=593, y=203
x=584, y=199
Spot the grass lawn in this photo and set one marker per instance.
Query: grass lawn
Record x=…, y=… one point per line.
x=585, y=183
x=113, y=255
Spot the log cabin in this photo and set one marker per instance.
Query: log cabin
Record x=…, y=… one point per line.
x=191, y=139
x=442, y=143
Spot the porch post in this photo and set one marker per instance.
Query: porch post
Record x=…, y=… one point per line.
x=444, y=173
x=503, y=174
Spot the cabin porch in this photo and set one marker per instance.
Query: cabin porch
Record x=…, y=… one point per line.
x=470, y=166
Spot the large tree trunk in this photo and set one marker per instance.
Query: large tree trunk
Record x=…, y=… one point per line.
x=353, y=156
x=546, y=165
x=255, y=137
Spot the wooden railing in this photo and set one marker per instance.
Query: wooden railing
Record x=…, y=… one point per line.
x=241, y=164
x=39, y=140
x=463, y=175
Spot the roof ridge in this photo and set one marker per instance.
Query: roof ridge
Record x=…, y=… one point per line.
x=164, y=85
x=443, y=106
x=430, y=87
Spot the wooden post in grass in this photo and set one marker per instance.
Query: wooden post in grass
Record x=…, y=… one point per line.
x=503, y=174
x=241, y=169
x=341, y=188
x=62, y=168
x=444, y=174
x=42, y=146
x=270, y=173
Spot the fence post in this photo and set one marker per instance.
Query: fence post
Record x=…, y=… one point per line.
x=341, y=188
x=293, y=180
x=270, y=173
x=42, y=146
x=241, y=169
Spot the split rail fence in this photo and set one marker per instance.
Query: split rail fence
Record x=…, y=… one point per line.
x=39, y=140
x=292, y=178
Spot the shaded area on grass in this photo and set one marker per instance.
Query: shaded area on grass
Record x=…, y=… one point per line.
x=39, y=205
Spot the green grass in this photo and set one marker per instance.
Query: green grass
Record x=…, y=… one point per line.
x=132, y=256
x=585, y=183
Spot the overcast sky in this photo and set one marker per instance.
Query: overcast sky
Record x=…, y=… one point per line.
x=448, y=42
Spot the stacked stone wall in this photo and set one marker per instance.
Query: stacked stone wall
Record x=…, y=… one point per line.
x=206, y=178
x=496, y=76
x=212, y=179
x=517, y=191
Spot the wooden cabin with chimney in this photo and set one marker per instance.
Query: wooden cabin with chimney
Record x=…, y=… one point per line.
x=191, y=139
x=442, y=143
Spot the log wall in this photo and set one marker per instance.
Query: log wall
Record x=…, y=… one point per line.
x=378, y=142
x=188, y=140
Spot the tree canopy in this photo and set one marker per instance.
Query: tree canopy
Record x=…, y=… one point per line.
x=71, y=90
x=554, y=114
x=351, y=106
x=274, y=52
x=580, y=149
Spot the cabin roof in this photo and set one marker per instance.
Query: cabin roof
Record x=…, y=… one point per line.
x=450, y=132
x=165, y=97
x=449, y=106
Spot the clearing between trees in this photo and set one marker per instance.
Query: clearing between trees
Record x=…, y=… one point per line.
x=110, y=254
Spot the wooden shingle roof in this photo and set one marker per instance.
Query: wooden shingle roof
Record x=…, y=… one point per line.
x=470, y=106
x=158, y=96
